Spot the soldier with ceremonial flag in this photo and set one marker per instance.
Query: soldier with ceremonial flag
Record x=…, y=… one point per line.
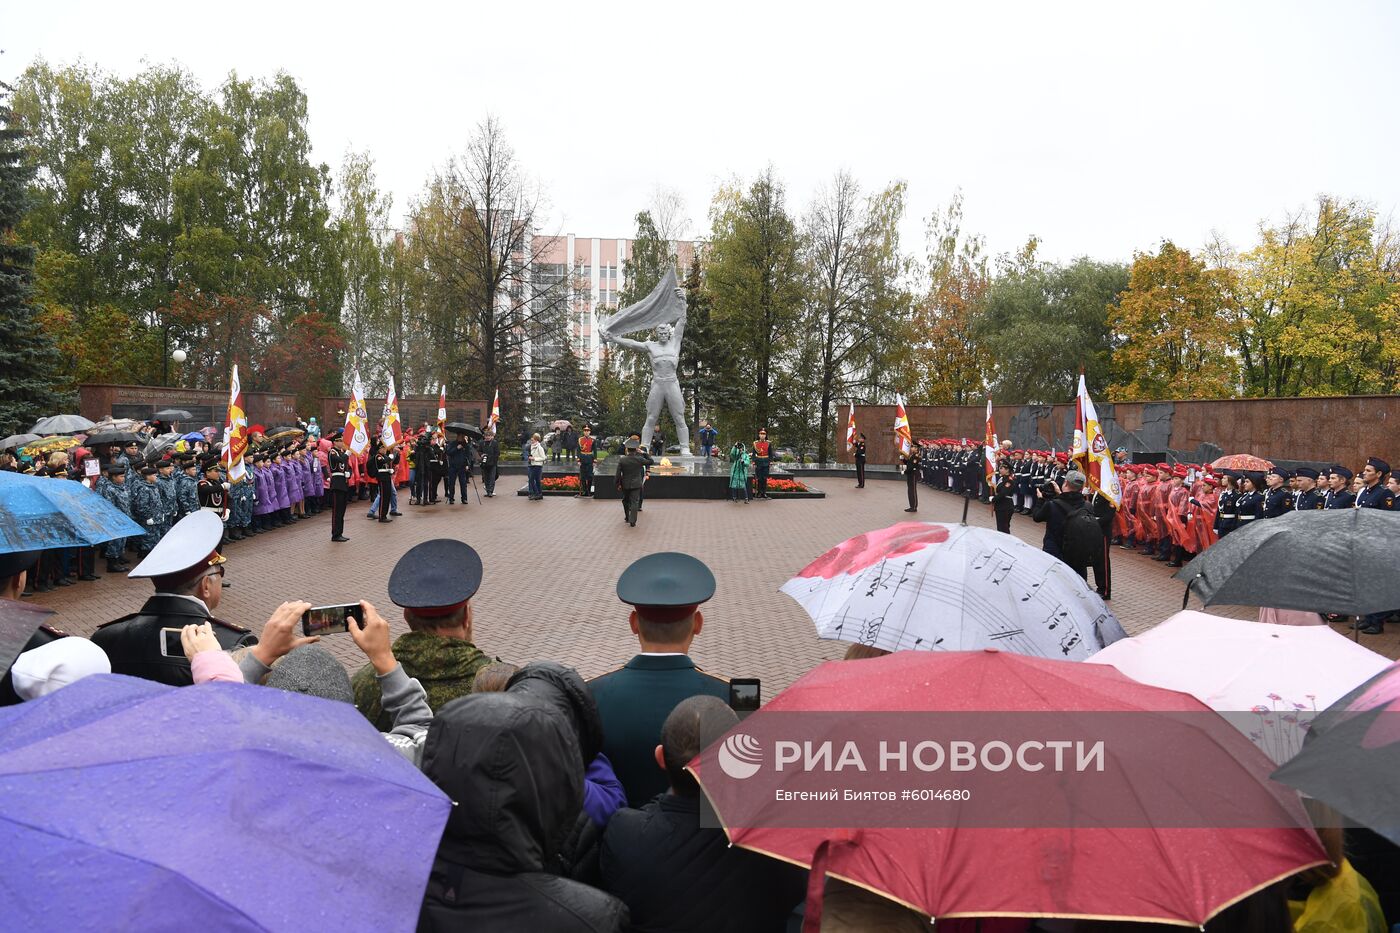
x=908, y=455
x=1092, y=457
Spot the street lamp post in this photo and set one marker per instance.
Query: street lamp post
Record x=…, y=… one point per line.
x=166, y=355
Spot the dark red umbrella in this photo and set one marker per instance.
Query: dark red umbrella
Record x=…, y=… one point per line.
x=1086, y=845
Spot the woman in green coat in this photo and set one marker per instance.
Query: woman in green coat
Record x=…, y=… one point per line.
x=739, y=473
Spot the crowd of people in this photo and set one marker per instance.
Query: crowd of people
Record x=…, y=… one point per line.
x=1168, y=511
x=607, y=832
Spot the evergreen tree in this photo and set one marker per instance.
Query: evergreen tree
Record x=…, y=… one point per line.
x=709, y=366
x=29, y=363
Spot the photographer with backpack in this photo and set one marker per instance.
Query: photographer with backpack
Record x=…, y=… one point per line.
x=1072, y=532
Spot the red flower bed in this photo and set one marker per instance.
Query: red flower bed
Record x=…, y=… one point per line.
x=560, y=482
x=776, y=484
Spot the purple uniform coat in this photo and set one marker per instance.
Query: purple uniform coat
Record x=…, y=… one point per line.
x=266, y=497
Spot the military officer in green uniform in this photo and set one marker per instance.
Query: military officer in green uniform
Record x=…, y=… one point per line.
x=665, y=591
x=433, y=583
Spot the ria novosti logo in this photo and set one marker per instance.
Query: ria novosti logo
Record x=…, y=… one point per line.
x=740, y=756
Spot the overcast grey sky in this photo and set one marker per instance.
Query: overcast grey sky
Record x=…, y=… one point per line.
x=1100, y=127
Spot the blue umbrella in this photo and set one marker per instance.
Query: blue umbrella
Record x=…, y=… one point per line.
x=39, y=512
x=195, y=436
x=127, y=804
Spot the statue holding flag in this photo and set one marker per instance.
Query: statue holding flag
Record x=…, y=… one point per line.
x=663, y=309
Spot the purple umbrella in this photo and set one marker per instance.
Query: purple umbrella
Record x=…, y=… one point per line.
x=126, y=804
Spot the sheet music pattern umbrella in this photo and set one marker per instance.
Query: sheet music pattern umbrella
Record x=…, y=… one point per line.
x=945, y=587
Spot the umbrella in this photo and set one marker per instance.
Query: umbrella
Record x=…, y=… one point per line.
x=18, y=440
x=117, y=424
x=192, y=436
x=61, y=424
x=461, y=427
x=1269, y=681
x=38, y=512
x=1303, y=560
x=284, y=431
x=50, y=444
x=172, y=414
x=18, y=623
x=112, y=437
x=1149, y=838
x=1240, y=462
x=561, y=424
x=161, y=443
x=944, y=587
x=227, y=806
x=1352, y=757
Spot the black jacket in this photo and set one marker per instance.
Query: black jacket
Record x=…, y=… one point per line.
x=513, y=767
x=631, y=470
x=338, y=466
x=1053, y=513
x=134, y=643
x=490, y=452
x=647, y=851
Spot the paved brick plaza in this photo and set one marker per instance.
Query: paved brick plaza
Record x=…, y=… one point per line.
x=551, y=567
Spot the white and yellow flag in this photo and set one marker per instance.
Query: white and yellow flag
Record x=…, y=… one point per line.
x=235, y=430
x=356, y=417
x=902, y=436
x=1090, y=452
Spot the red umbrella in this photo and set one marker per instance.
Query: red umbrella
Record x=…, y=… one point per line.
x=1078, y=846
x=1241, y=462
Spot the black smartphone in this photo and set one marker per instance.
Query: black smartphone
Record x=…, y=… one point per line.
x=743, y=695
x=330, y=620
x=170, y=645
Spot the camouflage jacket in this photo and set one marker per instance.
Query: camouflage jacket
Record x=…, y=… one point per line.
x=446, y=667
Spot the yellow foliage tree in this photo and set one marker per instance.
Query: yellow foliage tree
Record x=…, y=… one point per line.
x=1174, y=329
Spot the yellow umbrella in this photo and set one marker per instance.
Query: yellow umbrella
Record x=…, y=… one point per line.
x=48, y=445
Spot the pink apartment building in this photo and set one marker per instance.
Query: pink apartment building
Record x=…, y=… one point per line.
x=598, y=269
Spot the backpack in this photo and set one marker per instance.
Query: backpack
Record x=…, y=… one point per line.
x=1083, y=541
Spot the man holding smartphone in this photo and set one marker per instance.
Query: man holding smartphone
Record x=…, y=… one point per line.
x=187, y=570
x=665, y=591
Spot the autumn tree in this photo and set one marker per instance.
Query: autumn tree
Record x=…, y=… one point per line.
x=1173, y=329
x=940, y=361
x=855, y=305
x=1043, y=323
x=483, y=288
x=1317, y=302
x=755, y=277
x=366, y=250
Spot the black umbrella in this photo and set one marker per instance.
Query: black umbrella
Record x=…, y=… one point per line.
x=461, y=427
x=1333, y=561
x=172, y=414
x=112, y=437
x=1352, y=754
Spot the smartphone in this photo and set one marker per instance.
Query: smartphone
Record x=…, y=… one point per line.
x=743, y=695
x=170, y=645
x=330, y=620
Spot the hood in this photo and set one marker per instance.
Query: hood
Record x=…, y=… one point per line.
x=512, y=767
x=562, y=688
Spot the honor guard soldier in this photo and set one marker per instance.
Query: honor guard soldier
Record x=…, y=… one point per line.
x=859, y=451
x=586, y=456
x=188, y=572
x=338, y=462
x=1308, y=498
x=665, y=591
x=213, y=495
x=1338, y=495
x=1277, y=500
x=762, y=458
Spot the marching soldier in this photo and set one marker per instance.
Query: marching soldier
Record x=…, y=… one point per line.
x=586, y=456
x=187, y=570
